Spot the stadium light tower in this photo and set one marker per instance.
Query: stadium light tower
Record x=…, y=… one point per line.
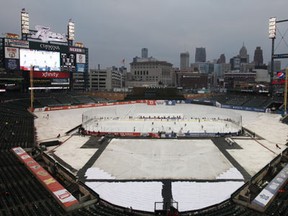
x=71, y=32
x=70, y=39
x=24, y=24
x=272, y=35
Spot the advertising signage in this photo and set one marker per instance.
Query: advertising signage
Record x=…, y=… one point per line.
x=76, y=50
x=16, y=43
x=271, y=190
x=12, y=64
x=12, y=52
x=48, y=47
x=80, y=58
x=51, y=75
x=64, y=197
x=80, y=68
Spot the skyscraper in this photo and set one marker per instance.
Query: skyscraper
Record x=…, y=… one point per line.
x=200, y=55
x=144, y=53
x=222, y=59
x=184, y=61
x=258, y=56
x=244, y=57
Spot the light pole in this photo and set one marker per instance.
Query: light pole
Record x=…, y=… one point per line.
x=272, y=35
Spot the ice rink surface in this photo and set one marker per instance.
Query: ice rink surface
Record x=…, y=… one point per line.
x=136, y=160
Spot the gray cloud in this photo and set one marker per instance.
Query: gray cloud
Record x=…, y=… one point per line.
x=117, y=29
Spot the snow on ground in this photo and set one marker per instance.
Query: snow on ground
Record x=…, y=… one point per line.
x=138, y=195
x=96, y=173
x=266, y=125
x=196, y=195
x=58, y=122
x=253, y=157
x=72, y=153
x=142, y=196
x=189, y=160
x=232, y=173
x=162, y=159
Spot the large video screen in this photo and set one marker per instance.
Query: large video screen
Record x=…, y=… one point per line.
x=41, y=60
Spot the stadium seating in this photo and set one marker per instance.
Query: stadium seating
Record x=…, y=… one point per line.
x=258, y=102
x=22, y=194
x=285, y=119
x=247, y=100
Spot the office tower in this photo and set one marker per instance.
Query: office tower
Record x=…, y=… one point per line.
x=200, y=55
x=235, y=63
x=258, y=56
x=144, y=53
x=184, y=61
x=222, y=59
x=244, y=57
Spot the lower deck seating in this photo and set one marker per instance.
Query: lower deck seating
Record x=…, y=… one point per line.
x=22, y=194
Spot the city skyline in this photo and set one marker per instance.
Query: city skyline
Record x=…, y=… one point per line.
x=114, y=30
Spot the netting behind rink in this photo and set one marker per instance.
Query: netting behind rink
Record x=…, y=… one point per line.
x=179, y=118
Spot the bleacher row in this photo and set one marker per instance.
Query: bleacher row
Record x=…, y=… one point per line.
x=53, y=99
x=227, y=208
x=20, y=191
x=255, y=101
x=22, y=194
x=65, y=100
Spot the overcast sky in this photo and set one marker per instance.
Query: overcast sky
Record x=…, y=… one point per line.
x=114, y=30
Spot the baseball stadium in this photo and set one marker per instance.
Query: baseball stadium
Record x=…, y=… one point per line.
x=68, y=150
x=93, y=156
